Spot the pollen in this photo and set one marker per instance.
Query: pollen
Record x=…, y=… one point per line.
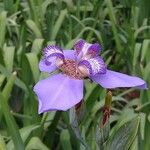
x=69, y=67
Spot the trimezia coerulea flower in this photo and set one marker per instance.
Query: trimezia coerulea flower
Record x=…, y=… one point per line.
x=64, y=90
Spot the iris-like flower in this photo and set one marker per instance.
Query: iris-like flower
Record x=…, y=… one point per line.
x=64, y=90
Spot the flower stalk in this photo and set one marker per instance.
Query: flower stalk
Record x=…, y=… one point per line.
x=102, y=131
x=107, y=108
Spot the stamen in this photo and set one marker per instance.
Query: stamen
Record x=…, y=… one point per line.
x=69, y=68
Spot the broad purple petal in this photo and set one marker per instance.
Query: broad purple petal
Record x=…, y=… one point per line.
x=69, y=54
x=84, y=49
x=58, y=92
x=45, y=66
x=93, y=65
x=114, y=79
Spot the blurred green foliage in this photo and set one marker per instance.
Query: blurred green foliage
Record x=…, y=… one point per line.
x=121, y=26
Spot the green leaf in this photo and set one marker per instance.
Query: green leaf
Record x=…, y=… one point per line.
x=145, y=47
x=126, y=115
x=58, y=23
x=2, y=144
x=33, y=61
x=53, y=127
x=8, y=87
x=8, y=5
x=37, y=46
x=112, y=17
x=144, y=108
x=142, y=124
x=2, y=78
x=124, y=136
x=2, y=27
x=31, y=24
x=8, y=54
x=65, y=140
x=75, y=127
x=102, y=134
x=146, y=71
x=146, y=133
x=45, y=4
x=148, y=118
x=24, y=133
x=94, y=93
x=10, y=121
x=34, y=11
x=86, y=29
x=36, y=143
x=136, y=55
x=22, y=85
x=141, y=29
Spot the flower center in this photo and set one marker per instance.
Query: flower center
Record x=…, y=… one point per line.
x=70, y=68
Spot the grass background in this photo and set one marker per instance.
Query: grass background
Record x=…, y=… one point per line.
x=123, y=29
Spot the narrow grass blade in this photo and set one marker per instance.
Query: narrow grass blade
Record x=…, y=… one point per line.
x=25, y=134
x=58, y=24
x=65, y=140
x=2, y=78
x=36, y=143
x=32, y=25
x=8, y=4
x=145, y=47
x=2, y=143
x=2, y=27
x=37, y=46
x=34, y=13
x=8, y=87
x=136, y=55
x=11, y=124
x=33, y=61
x=113, y=23
x=8, y=54
x=125, y=136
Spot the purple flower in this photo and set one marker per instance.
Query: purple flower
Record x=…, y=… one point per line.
x=64, y=90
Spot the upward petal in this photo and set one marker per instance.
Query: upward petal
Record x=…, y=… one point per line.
x=84, y=49
x=52, y=52
x=93, y=66
x=58, y=92
x=114, y=79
